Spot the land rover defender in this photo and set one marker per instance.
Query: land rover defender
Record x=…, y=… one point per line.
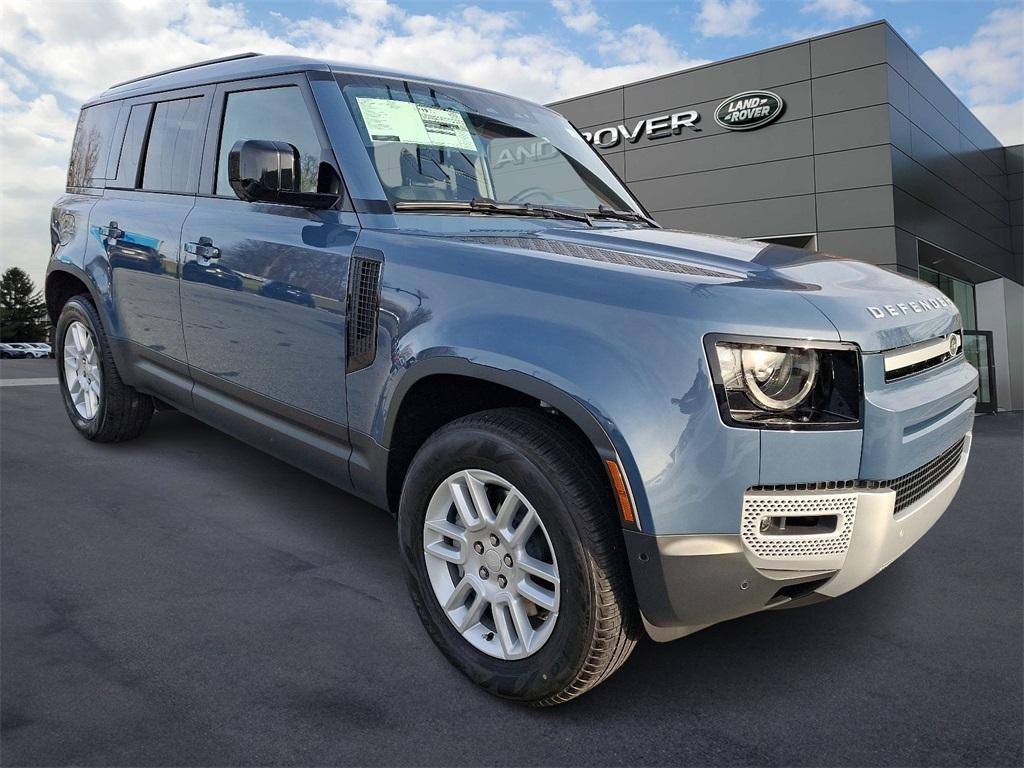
x=442, y=300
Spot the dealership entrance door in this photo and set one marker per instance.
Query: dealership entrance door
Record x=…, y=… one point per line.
x=977, y=343
x=978, y=351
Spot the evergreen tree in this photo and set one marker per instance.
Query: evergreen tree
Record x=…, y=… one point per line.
x=22, y=308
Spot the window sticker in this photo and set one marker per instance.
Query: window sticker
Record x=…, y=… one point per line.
x=446, y=128
x=403, y=121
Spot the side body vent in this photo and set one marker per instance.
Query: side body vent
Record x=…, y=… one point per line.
x=363, y=306
x=605, y=255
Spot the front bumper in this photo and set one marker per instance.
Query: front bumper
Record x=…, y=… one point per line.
x=687, y=582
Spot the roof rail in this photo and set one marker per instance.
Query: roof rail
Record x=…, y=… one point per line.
x=237, y=56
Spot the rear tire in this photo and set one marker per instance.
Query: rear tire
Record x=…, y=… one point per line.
x=552, y=468
x=109, y=411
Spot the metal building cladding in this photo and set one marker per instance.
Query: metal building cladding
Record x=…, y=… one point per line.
x=867, y=154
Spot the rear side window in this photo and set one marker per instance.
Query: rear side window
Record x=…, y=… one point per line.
x=128, y=165
x=175, y=146
x=275, y=114
x=91, y=148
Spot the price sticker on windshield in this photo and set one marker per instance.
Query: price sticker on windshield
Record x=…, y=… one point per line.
x=408, y=123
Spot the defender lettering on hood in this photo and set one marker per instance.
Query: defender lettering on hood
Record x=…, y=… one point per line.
x=901, y=308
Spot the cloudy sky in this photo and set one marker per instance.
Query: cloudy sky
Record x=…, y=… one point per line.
x=54, y=54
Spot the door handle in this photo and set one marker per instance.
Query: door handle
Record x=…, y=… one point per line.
x=111, y=232
x=204, y=249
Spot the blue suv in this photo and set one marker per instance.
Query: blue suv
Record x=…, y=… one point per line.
x=442, y=300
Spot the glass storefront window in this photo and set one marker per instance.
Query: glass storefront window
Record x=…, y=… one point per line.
x=960, y=291
x=977, y=343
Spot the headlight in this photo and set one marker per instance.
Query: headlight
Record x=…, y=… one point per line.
x=772, y=384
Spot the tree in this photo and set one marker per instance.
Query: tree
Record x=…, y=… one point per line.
x=22, y=308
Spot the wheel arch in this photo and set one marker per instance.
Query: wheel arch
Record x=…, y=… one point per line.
x=66, y=280
x=437, y=391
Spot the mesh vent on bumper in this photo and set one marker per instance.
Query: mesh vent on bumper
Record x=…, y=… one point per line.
x=796, y=544
x=830, y=500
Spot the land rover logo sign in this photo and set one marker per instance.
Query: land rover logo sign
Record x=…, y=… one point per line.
x=750, y=109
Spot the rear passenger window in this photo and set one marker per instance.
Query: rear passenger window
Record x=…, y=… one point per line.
x=91, y=148
x=131, y=149
x=274, y=114
x=175, y=146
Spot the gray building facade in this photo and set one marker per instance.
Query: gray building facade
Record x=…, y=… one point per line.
x=872, y=157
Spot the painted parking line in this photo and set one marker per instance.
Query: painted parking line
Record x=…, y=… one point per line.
x=26, y=382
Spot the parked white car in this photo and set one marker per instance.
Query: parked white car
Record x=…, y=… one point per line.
x=46, y=349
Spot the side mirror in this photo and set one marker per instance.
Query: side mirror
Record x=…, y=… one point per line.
x=271, y=172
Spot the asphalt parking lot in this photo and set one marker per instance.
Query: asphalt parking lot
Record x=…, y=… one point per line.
x=186, y=600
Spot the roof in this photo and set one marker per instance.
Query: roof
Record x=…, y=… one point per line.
x=246, y=65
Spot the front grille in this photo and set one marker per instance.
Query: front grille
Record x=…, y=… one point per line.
x=578, y=251
x=915, y=485
x=909, y=487
x=916, y=358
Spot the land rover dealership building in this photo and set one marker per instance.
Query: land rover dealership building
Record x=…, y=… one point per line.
x=846, y=143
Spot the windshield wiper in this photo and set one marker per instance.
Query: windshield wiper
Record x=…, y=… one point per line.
x=604, y=212
x=481, y=205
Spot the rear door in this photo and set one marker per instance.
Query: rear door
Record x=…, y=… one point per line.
x=136, y=227
x=263, y=286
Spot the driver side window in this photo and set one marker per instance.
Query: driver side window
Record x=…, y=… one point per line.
x=275, y=114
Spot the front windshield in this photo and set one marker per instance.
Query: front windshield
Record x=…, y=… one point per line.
x=434, y=143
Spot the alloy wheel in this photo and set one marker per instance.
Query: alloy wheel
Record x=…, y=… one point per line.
x=491, y=564
x=82, y=369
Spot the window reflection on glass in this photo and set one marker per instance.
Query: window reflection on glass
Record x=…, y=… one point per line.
x=175, y=146
x=274, y=114
x=960, y=291
x=977, y=353
x=455, y=145
x=91, y=147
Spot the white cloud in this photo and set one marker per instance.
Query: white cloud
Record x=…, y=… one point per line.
x=1006, y=121
x=727, y=18
x=635, y=45
x=838, y=9
x=56, y=55
x=578, y=15
x=990, y=64
x=988, y=72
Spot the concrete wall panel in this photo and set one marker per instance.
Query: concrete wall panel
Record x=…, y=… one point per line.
x=875, y=246
x=850, y=90
x=856, y=48
x=761, y=218
x=854, y=208
x=784, y=178
x=848, y=130
x=852, y=168
x=776, y=142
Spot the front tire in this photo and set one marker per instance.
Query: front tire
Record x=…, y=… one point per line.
x=101, y=406
x=514, y=556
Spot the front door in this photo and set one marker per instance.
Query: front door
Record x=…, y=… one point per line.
x=263, y=286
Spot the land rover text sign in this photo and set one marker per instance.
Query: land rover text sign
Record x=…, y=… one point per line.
x=750, y=109
x=651, y=128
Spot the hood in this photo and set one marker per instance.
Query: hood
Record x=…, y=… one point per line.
x=869, y=306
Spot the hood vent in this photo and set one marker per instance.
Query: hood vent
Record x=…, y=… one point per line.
x=592, y=253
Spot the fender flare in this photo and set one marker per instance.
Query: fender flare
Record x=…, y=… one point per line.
x=572, y=408
x=86, y=279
